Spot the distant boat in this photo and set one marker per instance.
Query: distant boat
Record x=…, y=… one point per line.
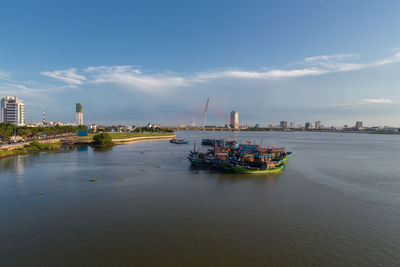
x=179, y=141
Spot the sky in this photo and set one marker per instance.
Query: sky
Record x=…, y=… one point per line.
x=134, y=62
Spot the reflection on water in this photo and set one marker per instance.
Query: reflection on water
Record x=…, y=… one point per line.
x=334, y=204
x=102, y=148
x=82, y=148
x=17, y=164
x=230, y=176
x=266, y=180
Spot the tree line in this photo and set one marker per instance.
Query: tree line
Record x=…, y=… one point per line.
x=8, y=129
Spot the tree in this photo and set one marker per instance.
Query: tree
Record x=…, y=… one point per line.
x=102, y=139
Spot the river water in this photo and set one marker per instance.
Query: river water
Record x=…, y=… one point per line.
x=337, y=203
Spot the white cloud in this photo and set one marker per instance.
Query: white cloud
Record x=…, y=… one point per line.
x=114, y=69
x=68, y=76
x=4, y=75
x=26, y=92
x=335, y=57
x=131, y=77
x=375, y=101
x=259, y=75
x=310, y=66
x=389, y=60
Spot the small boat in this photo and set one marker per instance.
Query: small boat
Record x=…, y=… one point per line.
x=179, y=141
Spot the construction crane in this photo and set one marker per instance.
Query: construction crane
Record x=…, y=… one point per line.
x=205, y=113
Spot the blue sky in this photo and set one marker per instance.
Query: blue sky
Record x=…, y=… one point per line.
x=138, y=61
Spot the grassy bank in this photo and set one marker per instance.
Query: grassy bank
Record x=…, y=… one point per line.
x=35, y=146
x=126, y=135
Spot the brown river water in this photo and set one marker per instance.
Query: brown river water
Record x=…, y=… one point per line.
x=337, y=203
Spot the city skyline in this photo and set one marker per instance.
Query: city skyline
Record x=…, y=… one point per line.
x=145, y=64
x=233, y=119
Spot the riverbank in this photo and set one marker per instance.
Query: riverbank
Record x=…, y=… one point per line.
x=143, y=138
x=117, y=138
x=34, y=147
x=127, y=135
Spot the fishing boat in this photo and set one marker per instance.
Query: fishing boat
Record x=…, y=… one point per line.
x=218, y=142
x=179, y=141
x=241, y=158
x=198, y=159
x=254, y=170
x=207, y=142
x=225, y=164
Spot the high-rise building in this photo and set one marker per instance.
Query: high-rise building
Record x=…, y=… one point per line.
x=292, y=124
x=283, y=124
x=359, y=125
x=308, y=125
x=79, y=114
x=12, y=110
x=235, y=119
x=318, y=125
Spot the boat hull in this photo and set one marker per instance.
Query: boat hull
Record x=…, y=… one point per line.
x=257, y=171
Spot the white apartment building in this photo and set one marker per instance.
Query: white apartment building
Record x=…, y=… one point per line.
x=12, y=110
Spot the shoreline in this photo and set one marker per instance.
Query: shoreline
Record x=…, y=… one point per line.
x=142, y=138
x=28, y=149
x=80, y=143
x=289, y=130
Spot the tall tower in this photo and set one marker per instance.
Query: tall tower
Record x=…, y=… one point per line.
x=235, y=119
x=79, y=114
x=205, y=113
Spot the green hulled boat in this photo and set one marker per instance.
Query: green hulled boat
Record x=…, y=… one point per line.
x=250, y=170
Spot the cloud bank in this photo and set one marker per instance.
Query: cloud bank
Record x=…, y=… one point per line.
x=134, y=78
x=280, y=92
x=68, y=76
x=376, y=101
